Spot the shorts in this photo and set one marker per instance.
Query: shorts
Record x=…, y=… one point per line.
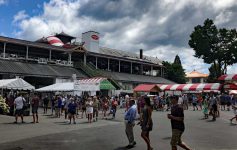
x=19, y=112
x=34, y=110
x=194, y=104
x=214, y=107
x=223, y=103
x=72, y=112
x=84, y=108
x=176, y=137
x=228, y=104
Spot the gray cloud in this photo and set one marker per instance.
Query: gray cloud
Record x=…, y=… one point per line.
x=160, y=27
x=114, y=9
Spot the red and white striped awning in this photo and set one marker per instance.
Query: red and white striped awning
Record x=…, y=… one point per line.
x=228, y=77
x=54, y=41
x=92, y=80
x=190, y=87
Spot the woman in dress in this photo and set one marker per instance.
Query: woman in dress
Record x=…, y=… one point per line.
x=146, y=122
x=89, y=109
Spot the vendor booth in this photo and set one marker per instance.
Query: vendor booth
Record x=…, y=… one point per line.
x=8, y=85
x=146, y=89
x=229, y=81
x=15, y=84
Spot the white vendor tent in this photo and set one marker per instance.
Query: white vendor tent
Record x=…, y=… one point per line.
x=16, y=84
x=58, y=87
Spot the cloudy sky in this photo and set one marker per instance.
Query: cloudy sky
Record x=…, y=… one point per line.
x=160, y=27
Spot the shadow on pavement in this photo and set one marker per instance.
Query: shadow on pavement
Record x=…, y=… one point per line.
x=16, y=148
x=166, y=138
x=121, y=148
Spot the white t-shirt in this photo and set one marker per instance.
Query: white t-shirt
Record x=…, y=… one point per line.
x=19, y=102
x=180, y=101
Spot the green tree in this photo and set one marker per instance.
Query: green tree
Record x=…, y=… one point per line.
x=215, y=46
x=212, y=78
x=174, y=72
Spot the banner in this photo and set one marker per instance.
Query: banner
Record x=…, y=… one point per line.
x=80, y=85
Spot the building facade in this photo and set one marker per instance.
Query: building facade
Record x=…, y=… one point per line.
x=196, y=77
x=57, y=58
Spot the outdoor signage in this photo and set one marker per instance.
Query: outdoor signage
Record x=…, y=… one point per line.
x=95, y=37
x=80, y=85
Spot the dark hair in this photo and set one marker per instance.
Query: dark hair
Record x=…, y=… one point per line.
x=147, y=101
x=175, y=97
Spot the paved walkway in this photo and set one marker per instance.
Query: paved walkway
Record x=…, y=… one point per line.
x=55, y=133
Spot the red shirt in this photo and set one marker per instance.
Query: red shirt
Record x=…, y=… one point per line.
x=35, y=101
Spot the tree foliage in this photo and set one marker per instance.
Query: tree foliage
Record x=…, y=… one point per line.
x=177, y=60
x=215, y=46
x=174, y=72
x=213, y=75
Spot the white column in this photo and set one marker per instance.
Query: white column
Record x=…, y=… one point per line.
x=69, y=57
x=84, y=59
x=108, y=65
x=27, y=52
x=96, y=62
x=119, y=65
x=151, y=71
x=50, y=54
x=4, y=50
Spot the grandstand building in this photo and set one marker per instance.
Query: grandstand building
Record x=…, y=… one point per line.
x=57, y=58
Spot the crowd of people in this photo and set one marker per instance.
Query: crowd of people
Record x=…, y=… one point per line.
x=74, y=107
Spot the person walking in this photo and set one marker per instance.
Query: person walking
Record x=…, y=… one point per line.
x=72, y=108
x=129, y=118
x=35, y=106
x=89, y=109
x=105, y=107
x=19, y=103
x=114, y=105
x=147, y=123
x=213, y=105
x=177, y=124
x=46, y=104
x=194, y=102
x=95, y=108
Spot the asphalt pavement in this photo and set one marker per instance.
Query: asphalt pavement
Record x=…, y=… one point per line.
x=56, y=134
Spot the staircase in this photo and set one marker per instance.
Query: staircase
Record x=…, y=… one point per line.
x=91, y=71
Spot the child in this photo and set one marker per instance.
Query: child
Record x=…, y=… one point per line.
x=205, y=109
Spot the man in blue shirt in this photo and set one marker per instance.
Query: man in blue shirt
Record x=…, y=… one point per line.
x=130, y=117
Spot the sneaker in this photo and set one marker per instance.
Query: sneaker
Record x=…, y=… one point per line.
x=23, y=122
x=15, y=122
x=129, y=146
x=134, y=143
x=74, y=122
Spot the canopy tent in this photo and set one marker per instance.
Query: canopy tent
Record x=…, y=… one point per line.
x=233, y=92
x=230, y=86
x=58, y=87
x=228, y=77
x=91, y=84
x=106, y=85
x=190, y=87
x=146, y=88
x=16, y=84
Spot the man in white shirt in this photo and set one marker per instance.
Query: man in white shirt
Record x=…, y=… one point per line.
x=19, y=103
